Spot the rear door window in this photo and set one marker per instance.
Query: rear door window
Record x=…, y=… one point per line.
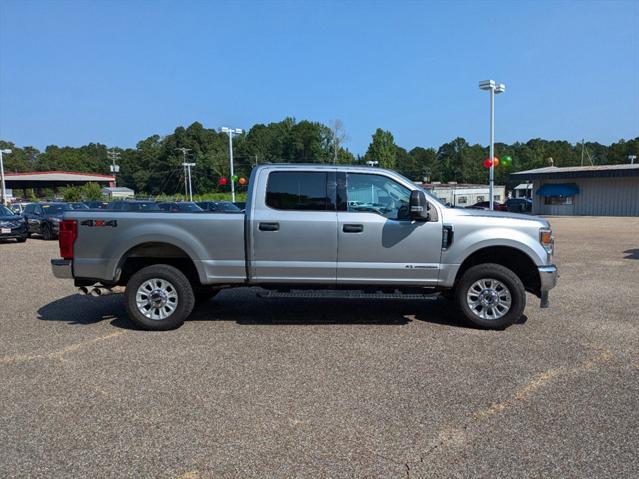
x=299, y=191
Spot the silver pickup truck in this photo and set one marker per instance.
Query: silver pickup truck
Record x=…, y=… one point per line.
x=310, y=230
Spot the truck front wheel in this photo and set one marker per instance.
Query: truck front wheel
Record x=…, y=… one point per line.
x=159, y=297
x=491, y=296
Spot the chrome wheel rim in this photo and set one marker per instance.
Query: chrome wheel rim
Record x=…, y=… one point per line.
x=156, y=299
x=489, y=299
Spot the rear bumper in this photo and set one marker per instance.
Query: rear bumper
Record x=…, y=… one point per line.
x=548, y=277
x=19, y=232
x=62, y=268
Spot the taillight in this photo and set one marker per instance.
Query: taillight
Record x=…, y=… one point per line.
x=66, y=238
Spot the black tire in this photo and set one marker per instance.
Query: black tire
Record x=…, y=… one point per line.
x=501, y=274
x=203, y=294
x=181, y=286
x=21, y=240
x=47, y=232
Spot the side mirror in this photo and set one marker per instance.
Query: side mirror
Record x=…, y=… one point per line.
x=419, y=206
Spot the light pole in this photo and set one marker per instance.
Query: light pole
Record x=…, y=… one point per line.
x=2, y=198
x=229, y=132
x=632, y=159
x=494, y=89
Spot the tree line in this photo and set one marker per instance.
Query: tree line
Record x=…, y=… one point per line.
x=154, y=166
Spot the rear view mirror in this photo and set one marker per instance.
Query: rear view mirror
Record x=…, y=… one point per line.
x=419, y=206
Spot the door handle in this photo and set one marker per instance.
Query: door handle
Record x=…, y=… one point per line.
x=353, y=228
x=269, y=226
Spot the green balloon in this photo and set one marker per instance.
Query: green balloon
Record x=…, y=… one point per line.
x=234, y=178
x=506, y=160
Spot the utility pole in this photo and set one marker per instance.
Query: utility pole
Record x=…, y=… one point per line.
x=115, y=169
x=188, y=169
x=230, y=132
x=632, y=159
x=3, y=190
x=184, y=152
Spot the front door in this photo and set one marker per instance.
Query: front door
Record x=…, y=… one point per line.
x=294, y=228
x=377, y=241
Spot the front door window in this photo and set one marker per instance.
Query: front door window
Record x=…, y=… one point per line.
x=377, y=194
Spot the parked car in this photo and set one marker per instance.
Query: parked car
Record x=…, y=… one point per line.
x=133, y=205
x=180, y=207
x=18, y=207
x=218, y=206
x=485, y=205
x=519, y=205
x=96, y=205
x=299, y=233
x=44, y=218
x=12, y=225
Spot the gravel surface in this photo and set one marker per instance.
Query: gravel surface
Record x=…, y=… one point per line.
x=256, y=387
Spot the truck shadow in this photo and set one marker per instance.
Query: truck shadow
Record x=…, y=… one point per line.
x=631, y=254
x=249, y=310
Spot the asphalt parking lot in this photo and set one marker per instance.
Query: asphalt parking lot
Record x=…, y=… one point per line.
x=255, y=387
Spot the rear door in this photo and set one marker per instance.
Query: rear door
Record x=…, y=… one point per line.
x=294, y=227
x=377, y=241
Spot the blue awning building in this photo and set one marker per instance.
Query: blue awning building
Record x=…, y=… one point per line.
x=603, y=190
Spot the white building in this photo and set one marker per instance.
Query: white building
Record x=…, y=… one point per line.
x=118, y=192
x=524, y=190
x=462, y=195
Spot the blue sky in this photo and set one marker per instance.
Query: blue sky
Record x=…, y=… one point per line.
x=115, y=72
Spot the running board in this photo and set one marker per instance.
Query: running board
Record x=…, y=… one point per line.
x=345, y=294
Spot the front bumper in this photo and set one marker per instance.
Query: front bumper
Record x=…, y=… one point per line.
x=548, y=280
x=548, y=277
x=62, y=268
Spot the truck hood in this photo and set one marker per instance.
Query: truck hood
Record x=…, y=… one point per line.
x=493, y=215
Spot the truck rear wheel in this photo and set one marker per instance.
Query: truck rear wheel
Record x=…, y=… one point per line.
x=491, y=296
x=159, y=297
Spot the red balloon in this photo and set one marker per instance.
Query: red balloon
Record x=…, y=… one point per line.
x=223, y=181
x=487, y=163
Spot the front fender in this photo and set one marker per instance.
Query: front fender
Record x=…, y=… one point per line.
x=466, y=243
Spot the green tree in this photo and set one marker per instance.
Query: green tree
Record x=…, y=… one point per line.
x=91, y=192
x=382, y=149
x=72, y=193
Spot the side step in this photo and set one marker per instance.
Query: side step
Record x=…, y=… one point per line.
x=345, y=294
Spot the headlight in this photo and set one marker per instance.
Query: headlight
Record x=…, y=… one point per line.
x=546, y=239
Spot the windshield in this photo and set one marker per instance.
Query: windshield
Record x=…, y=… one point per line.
x=188, y=207
x=55, y=209
x=78, y=206
x=4, y=211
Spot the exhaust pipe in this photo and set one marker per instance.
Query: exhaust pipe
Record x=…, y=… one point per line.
x=95, y=291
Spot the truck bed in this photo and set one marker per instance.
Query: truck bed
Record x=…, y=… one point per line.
x=214, y=242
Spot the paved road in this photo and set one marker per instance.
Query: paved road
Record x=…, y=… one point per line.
x=289, y=388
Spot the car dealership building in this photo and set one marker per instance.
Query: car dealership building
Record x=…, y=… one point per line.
x=604, y=190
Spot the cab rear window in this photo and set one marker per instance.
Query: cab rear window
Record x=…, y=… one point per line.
x=298, y=191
